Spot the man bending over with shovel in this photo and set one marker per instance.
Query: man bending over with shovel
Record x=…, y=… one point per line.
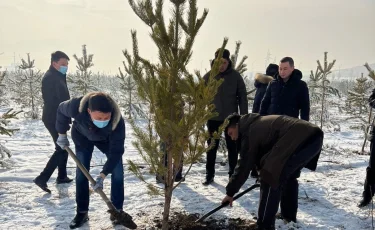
x=279, y=146
x=97, y=122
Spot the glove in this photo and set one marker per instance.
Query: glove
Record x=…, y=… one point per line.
x=99, y=183
x=62, y=141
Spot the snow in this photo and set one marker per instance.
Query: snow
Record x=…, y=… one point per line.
x=327, y=198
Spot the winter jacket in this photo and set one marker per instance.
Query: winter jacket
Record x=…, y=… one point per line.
x=261, y=82
x=231, y=94
x=109, y=140
x=268, y=142
x=289, y=98
x=54, y=91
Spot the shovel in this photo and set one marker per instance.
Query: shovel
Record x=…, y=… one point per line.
x=227, y=203
x=121, y=218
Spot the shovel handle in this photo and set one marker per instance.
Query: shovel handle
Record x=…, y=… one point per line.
x=89, y=177
x=227, y=203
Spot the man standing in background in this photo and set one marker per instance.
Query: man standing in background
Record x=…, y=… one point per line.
x=54, y=91
x=230, y=96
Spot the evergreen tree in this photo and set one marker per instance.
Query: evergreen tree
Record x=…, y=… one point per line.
x=4, y=122
x=357, y=106
x=321, y=88
x=27, y=86
x=241, y=67
x=82, y=81
x=129, y=91
x=358, y=96
x=180, y=103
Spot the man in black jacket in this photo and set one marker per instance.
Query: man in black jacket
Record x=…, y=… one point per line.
x=97, y=122
x=287, y=94
x=280, y=146
x=369, y=186
x=230, y=95
x=54, y=91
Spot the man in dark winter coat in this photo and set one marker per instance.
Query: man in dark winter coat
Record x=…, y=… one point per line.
x=230, y=95
x=369, y=186
x=280, y=146
x=261, y=82
x=97, y=122
x=287, y=94
x=54, y=91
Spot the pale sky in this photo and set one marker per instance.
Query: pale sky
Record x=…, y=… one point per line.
x=302, y=29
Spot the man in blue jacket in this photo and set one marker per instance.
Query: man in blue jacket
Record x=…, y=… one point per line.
x=97, y=122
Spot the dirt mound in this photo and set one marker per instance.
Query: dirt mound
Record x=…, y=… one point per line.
x=185, y=221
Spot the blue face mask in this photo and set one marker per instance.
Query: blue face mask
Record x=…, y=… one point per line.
x=63, y=69
x=100, y=124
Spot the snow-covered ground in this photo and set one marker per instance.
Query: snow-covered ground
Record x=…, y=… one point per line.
x=327, y=199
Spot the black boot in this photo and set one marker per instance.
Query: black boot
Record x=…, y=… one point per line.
x=79, y=220
x=368, y=192
x=65, y=180
x=208, y=180
x=41, y=184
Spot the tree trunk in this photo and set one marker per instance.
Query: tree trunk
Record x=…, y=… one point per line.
x=167, y=205
x=170, y=174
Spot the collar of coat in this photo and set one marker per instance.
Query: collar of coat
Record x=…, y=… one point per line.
x=295, y=76
x=55, y=71
x=263, y=78
x=116, y=114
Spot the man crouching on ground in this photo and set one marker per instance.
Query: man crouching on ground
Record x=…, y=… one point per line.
x=279, y=146
x=97, y=122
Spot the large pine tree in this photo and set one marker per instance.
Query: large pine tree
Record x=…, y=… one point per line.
x=180, y=102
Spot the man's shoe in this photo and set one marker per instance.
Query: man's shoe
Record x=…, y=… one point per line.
x=281, y=217
x=42, y=185
x=65, y=180
x=366, y=199
x=79, y=220
x=208, y=181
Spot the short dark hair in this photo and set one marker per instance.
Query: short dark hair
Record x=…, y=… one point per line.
x=100, y=102
x=288, y=59
x=233, y=119
x=56, y=56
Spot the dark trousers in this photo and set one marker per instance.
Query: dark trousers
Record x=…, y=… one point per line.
x=84, y=155
x=369, y=186
x=58, y=159
x=232, y=146
x=287, y=193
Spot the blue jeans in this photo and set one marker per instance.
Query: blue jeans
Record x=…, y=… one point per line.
x=82, y=185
